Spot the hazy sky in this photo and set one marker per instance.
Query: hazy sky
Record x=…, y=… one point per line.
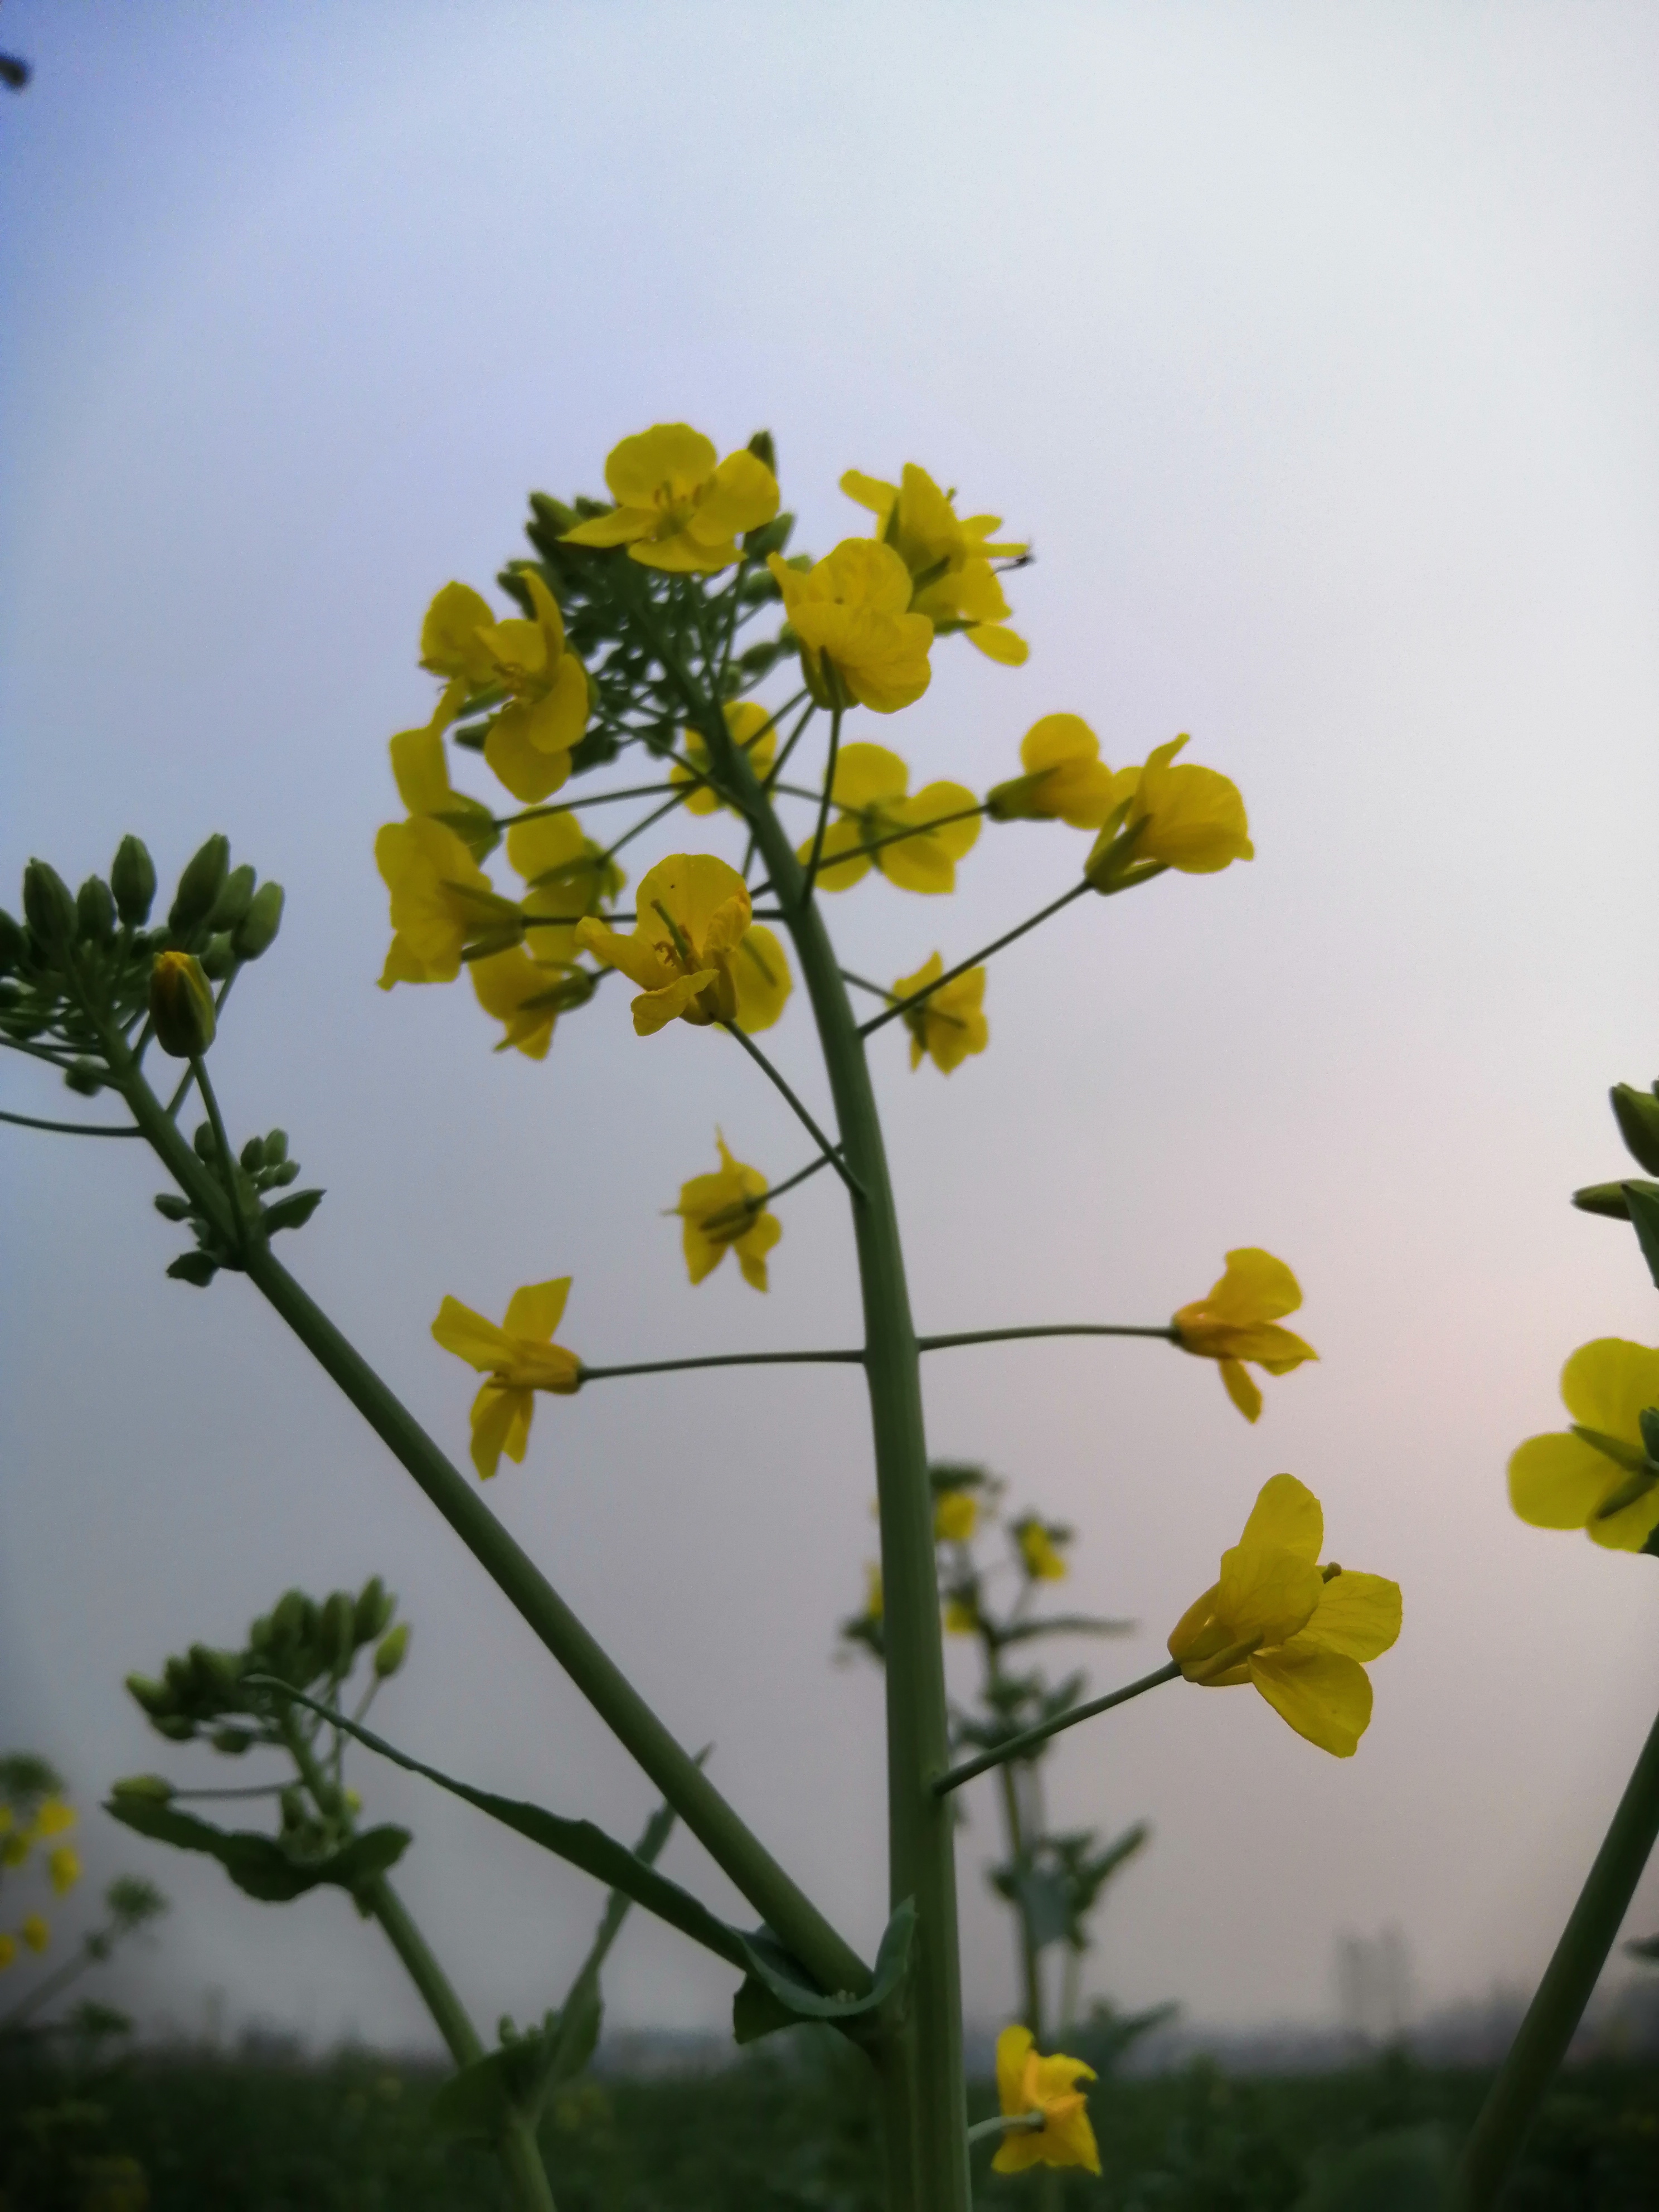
x=1315, y=351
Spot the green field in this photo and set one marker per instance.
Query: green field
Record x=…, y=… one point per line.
x=188, y=2134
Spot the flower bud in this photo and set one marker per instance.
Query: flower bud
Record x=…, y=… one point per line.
x=94, y=913
x=154, y=1787
x=154, y=1698
x=181, y=1006
x=256, y=933
x=218, y=958
x=234, y=900
x=373, y=1610
x=765, y=452
x=132, y=879
x=14, y=945
x=389, y=1652
x=554, y=513
x=200, y=886
x=47, y=907
x=1637, y=1113
x=1609, y=1198
x=339, y=1618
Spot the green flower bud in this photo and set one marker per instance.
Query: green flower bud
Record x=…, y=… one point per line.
x=132, y=879
x=181, y=1006
x=94, y=913
x=373, y=1610
x=1609, y=1198
x=293, y=1620
x=554, y=513
x=153, y=1698
x=14, y=945
x=154, y=1787
x=47, y=906
x=339, y=1618
x=256, y=933
x=253, y=1155
x=771, y=538
x=233, y=1742
x=276, y=1148
x=389, y=1653
x=1637, y=1113
x=175, y=1726
x=218, y=958
x=234, y=900
x=200, y=886
x=761, y=447
x=85, y=1078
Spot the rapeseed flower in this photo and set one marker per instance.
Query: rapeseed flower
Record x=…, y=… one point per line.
x=1237, y=1320
x=676, y=508
x=35, y=1932
x=1169, y=816
x=441, y=898
x=1296, y=1631
x=520, y=1358
x=64, y=1865
x=565, y=876
x=1065, y=780
x=1029, y=2083
x=858, y=640
x=521, y=995
x=949, y=559
x=1038, y=1549
x=7, y=1950
x=721, y=1213
x=1596, y=1475
x=870, y=786
x=949, y=1023
x=529, y=741
x=754, y=732
x=55, y=1817
x=956, y=1515
x=694, y=951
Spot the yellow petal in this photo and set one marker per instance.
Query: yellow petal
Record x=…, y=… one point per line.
x=1254, y=1287
x=1629, y=1528
x=1014, y=2045
x=500, y=1423
x=633, y=955
x=546, y=842
x=1057, y=737
x=1008, y=647
x=670, y=459
x=866, y=775
x=1241, y=1387
x=847, y=836
x=932, y=806
x=622, y=526
x=1265, y=1594
x=871, y=492
x=744, y=496
x=1324, y=1695
x=1558, y=1481
x=693, y=887
x=684, y=554
x=654, y=1010
x=420, y=770
x=1607, y=1384
x=1286, y=1517
x=534, y=1311
x=761, y=972
x=1359, y=1615
x=470, y=1337
x=450, y=644
x=529, y=771
x=752, y=1247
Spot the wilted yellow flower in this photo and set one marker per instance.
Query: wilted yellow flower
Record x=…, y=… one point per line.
x=949, y=559
x=753, y=731
x=694, y=950
x=1172, y=817
x=520, y=1358
x=1037, y=1549
x=440, y=899
x=956, y=1515
x=676, y=510
x=869, y=788
x=949, y=1023
x=1296, y=1631
x=851, y=613
x=1027, y=2082
x=65, y=1866
x=1065, y=780
x=35, y=1932
x=1596, y=1475
x=1235, y=1322
x=721, y=1215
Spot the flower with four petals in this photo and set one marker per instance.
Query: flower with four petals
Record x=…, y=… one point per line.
x=694, y=952
x=519, y=1357
x=677, y=508
x=1065, y=780
x=1596, y=1475
x=1169, y=815
x=949, y=1023
x=948, y=558
x=915, y=841
x=850, y=613
x=1028, y=2083
x=1237, y=1320
x=722, y=1212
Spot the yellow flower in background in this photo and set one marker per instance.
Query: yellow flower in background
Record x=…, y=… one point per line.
x=870, y=786
x=1173, y=816
x=1037, y=1550
x=1297, y=1632
x=1065, y=780
x=1027, y=2082
x=1596, y=1475
x=1236, y=1320
x=520, y=1358
x=7, y=1950
x=522, y=996
x=873, y=1593
x=850, y=613
x=720, y=1215
x=753, y=729
x=55, y=1817
x=676, y=508
x=961, y=1615
x=956, y=1515
x=949, y=1023
x=35, y=1932
x=948, y=558
x=565, y=875
x=65, y=1866
x=441, y=898
x=694, y=951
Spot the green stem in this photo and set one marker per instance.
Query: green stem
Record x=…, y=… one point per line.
x=733, y=1846
x=65, y=1128
x=903, y=1005
x=822, y=827
x=1541, y=2041
x=1017, y=1745
x=832, y=1153
x=1059, y=1328
x=1007, y=2124
x=227, y=1159
x=726, y=1359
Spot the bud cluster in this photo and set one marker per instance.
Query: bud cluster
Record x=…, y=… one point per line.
x=262, y=1166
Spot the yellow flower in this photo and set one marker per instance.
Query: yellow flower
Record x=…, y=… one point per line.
x=35, y=1932
x=753, y=731
x=1169, y=817
x=949, y=1023
x=869, y=788
x=1235, y=1322
x=520, y=995
x=16, y=1846
x=694, y=951
x=1596, y=1475
x=1065, y=779
x=1296, y=1631
x=956, y=1515
x=949, y=559
x=440, y=899
x=1027, y=2082
x=851, y=613
x=529, y=742
x=676, y=510
x=65, y=1868
x=452, y=637
x=961, y=1615
x=566, y=874
x=1042, y=1562
x=720, y=1215
x=873, y=1593
x=55, y=1818
x=7, y=1950
x=519, y=1357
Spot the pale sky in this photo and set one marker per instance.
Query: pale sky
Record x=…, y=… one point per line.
x=1315, y=349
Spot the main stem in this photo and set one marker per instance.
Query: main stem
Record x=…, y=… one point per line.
x=926, y=2102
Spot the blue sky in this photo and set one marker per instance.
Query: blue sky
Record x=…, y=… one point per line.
x=1315, y=352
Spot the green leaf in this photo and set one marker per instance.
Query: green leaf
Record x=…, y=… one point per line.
x=257, y=1864
x=777, y=1991
x=1644, y=1203
x=194, y=1267
x=290, y=1213
x=1403, y=2170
